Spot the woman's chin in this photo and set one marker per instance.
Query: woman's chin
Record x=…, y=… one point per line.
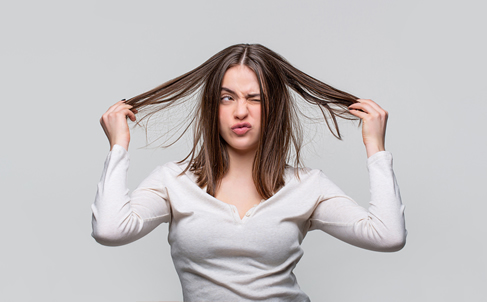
x=242, y=148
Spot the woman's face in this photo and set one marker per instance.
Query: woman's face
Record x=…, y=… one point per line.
x=240, y=109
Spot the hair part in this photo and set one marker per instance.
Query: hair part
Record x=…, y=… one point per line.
x=281, y=132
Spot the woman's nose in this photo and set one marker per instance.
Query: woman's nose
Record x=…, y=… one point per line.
x=241, y=110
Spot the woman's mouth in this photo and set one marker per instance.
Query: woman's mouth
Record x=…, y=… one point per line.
x=241, y=128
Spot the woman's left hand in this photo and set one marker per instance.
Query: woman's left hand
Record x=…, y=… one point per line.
x=374, y=120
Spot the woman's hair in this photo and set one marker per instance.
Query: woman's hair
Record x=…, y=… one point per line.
x=280, y=128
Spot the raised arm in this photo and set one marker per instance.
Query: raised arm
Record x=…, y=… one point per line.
x=119, y=218
x=381, y=227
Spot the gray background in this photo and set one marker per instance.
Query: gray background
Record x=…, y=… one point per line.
x=64, y=63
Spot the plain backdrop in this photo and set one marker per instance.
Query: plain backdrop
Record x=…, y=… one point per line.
x=63, y=63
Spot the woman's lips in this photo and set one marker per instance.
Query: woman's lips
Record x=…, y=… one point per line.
x=241, y=131
x=241, y=128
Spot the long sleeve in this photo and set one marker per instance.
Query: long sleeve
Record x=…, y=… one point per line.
x=381, y=227
x=119, y=218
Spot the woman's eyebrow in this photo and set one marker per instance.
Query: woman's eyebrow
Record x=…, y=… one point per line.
x=253, y=95
x=228, y=90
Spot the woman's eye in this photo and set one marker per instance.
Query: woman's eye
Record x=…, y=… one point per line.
x=226, y=98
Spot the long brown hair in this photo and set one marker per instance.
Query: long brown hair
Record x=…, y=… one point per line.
x=280, y=131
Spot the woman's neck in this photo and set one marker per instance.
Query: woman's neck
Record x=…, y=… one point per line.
x=240, y=163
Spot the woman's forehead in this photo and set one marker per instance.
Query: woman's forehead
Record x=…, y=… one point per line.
x=241, y=80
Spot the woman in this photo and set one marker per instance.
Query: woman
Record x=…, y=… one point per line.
x=237, y=212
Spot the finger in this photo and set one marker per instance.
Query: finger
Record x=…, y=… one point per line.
x=358, y=113
x=355, y=108
x=118, y=109
x=374, y=105
x=364, y=107
x=114, y=106
x=117, y=105
x=121, y=108
x=130, y=115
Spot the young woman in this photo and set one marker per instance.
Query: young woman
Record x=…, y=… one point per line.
x=237, y=212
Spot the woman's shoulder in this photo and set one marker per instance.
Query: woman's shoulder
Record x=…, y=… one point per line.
x=175, y=169
x=302, y=173
x=301, y=170
x=310, y=178
x=172, y=167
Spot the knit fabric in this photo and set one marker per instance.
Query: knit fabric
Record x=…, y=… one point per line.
x=220, y=257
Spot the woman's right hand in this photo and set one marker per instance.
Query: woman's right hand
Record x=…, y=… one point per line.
x=114, y=123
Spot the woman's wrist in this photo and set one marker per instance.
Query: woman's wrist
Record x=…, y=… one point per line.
x=373, y=149
x=123, y=145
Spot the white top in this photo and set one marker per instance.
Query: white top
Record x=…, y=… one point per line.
x=220, y=257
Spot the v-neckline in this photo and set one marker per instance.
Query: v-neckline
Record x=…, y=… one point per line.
x=233, y=207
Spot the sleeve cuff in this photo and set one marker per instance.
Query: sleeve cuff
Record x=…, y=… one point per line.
x=118, y=149
x=379, y=156
x=118, y=153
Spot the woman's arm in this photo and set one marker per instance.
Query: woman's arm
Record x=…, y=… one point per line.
x=381, y=227
x=119, y=218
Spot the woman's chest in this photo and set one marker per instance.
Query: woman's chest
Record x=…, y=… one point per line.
x=203, y=227
x=259, y=237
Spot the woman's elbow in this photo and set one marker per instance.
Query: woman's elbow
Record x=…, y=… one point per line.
x=107, y=237
x=393, y=242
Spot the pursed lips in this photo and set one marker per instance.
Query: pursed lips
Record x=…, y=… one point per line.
x=241, y=125
x=241, y=128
